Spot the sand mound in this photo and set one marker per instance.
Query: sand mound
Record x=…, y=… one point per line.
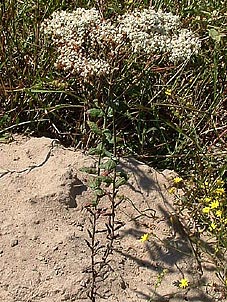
x=44, y=222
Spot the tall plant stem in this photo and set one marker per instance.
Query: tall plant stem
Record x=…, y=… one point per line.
x=94, y=221
x=93, y=269
x=112, y=217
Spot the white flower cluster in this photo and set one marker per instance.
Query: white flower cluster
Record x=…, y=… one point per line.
x=156, y=32
x=182, y=45
x=147, y=30
x=70, y=26
x=71, y=32
x=86, y=42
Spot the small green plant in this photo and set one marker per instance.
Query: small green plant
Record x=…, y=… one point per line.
x=158, y=283
x=104, y=182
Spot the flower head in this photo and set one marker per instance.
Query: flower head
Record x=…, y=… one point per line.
x=177, y=180
x=183, y=283
x=204, y=185
x=212, y=226
x=214, y=204
x=172, y=190
x=86, y=43
x=144, y=237
x=206, y=210
x=220, y=182
x=207, y=199
x=218, y=213
x=220, y=191
x=168, y=92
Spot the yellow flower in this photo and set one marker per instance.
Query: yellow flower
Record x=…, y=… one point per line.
x=168, y=92
x=218, y=213
x=212, y=226
x=214, y=204
x=144, y=237
x=219, y=191
x=172, y=190
x=207, y=199
x=220, y=182
x=204, y=185
x=177, y=180
x=183, y=283
x=130, y=2
x=206, y=210
x=216, y=250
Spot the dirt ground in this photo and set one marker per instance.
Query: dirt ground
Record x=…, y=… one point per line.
x=44, y=222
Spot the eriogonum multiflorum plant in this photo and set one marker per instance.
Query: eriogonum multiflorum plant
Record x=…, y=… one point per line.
x=107, y=56
x=87, y=43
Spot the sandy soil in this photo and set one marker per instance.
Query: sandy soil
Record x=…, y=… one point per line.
x=44, y=222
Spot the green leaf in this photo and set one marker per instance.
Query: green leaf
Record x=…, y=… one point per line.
x=95, y=112
x=123, y=174
x=110, y=112
x=107, y=153
x=99, y=192
x=120, y=182
x=94, y=128
x=95, y=183
x=106, y=179
x=108, y=165
x=95, y=202
x=108, y=135
x=88, y=170
x=215, y=35
x=4, y=119
x=96, y=151
x=118, y=139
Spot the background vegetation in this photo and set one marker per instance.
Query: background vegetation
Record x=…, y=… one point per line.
x=181, y=114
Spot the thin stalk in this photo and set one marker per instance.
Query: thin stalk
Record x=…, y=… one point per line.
x=112, y=195
x=103, y=139
x=93, y=269
x=94, y=221
x=215, y=71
